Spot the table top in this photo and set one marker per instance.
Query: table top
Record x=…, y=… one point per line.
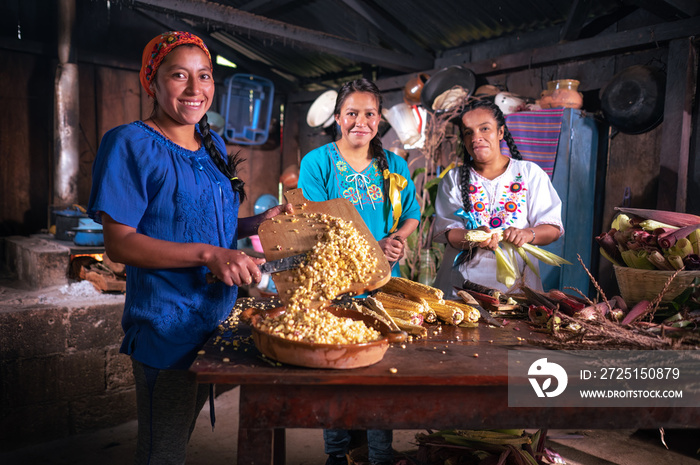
x=450, y=355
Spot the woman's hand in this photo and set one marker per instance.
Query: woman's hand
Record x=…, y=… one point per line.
x=492, y=243
x=393, y=247
x=518, y=236
x=278, y=210
x=235, y=267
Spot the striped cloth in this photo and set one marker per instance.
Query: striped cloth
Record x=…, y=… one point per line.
x=536, y=133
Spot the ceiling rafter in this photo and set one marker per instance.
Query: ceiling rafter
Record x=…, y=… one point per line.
x=388, y=31
x=578, y=13
x=233, y=19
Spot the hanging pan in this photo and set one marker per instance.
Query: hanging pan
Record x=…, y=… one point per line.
x=633, y=101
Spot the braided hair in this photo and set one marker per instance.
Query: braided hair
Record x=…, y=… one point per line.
x=365, y=85
x=228, y=167
x=468, y=162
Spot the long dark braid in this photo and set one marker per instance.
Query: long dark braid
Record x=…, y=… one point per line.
x=228, y=167
x=365, y=85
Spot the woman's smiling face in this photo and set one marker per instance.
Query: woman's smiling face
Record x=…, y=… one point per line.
x=481, y=135
x=359, y=118
x=184, y=86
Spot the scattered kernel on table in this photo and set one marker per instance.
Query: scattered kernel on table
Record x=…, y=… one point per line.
x=476, y=355
x=393, y=370
x=226, y=360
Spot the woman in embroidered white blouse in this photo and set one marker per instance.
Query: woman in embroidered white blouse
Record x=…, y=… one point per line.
x=491, y=191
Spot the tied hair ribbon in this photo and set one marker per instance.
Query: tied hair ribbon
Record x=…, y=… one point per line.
x=397, y=183
x=469, y=223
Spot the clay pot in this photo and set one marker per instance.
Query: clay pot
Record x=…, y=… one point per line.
x=562, y=93
x=413, y=89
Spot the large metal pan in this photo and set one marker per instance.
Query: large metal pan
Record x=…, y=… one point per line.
x=337, y=356
x=444, y=80
x=633, y=101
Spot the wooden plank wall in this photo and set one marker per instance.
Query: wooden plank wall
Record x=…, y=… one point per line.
x=108, y=97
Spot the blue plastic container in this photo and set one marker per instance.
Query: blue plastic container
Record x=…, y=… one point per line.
x=247, y=109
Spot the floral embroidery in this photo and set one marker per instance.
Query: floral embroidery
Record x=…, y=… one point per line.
x=345, y=177
x=374, y=192
x=351, y=194
x=509, y=202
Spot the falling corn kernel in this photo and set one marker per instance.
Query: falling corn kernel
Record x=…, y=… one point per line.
x=201, y=352
x=226, y=360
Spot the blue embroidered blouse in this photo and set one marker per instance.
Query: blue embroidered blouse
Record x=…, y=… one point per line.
x=324, y=174
x=143, y=180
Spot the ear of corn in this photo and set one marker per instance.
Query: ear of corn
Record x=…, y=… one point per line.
x=477, y=235
x=414, y=330
x=659, y=261
x=406, y=315
x=396, y=302
x=446, y=312
x=411, y=288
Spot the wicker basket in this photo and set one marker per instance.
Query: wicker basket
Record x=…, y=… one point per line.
x=637, y=285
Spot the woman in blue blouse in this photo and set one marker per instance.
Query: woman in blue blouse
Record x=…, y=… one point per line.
x=167, y=196
x=356, y=167
x=377, y=182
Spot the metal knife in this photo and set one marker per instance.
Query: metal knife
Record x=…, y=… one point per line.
x=273, y=266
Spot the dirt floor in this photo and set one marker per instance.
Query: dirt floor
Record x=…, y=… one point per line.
x=115, y=446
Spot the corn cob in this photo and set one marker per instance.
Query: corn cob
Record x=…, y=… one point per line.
x=471, y=314
x=407, y=315
x=365, y=310
x=477, y=235
x=396, y=302
x=446, y=312
x=410, y=328
x=411, y=288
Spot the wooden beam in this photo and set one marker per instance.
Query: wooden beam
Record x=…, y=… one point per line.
x=635, y=39
x=386, y=29
x=575, y=20
x=681, y=77
x=668, y=10
x=233, y=19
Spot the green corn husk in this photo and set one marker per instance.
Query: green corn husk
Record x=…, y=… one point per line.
x=652, y=225
x=637, y=259
x=621, y=222
x=527, y=260
x=682, y=247
x=676, y=261
x=545, y=256
x=505, y=271
x=659, y=261
x=694, y=238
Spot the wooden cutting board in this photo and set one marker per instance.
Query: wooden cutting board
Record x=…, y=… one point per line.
x=294, y=234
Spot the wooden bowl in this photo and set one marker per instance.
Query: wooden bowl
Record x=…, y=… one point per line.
x=313, y=355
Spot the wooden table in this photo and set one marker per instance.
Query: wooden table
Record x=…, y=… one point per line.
x=457, y=378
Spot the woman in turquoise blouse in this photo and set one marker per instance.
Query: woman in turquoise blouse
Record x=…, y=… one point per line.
x=377, y=182
x=356, y=167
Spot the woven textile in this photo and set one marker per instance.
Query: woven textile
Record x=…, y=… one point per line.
x=536, y=133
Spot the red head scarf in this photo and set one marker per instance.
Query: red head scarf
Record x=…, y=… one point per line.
x=158, y=48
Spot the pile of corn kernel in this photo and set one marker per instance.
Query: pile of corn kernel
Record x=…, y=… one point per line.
x=340, y=258
x=320, y=327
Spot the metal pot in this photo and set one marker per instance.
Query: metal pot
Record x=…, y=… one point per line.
x=633, y=101
x=445, y=80
x=88, y=233
x=66, y=221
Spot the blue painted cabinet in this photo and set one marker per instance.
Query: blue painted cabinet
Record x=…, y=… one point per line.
x=574, y=178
